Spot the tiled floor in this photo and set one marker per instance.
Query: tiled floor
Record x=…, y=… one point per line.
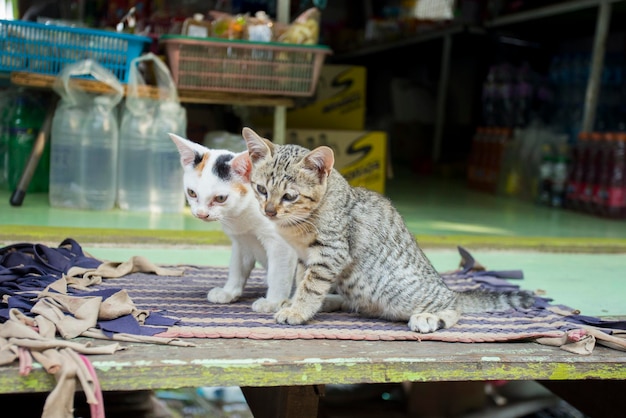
x=502, y=233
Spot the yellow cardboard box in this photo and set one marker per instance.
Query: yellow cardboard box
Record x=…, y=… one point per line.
x=361, y=156
x=338, y=103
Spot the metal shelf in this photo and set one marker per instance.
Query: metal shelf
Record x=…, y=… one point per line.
x=375, y=47
x=545, y=12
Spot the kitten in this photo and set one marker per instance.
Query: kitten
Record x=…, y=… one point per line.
x=354, y=239
x=217, y=187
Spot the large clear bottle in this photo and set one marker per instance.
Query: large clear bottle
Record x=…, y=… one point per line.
x=166, y=191
x=98, y=169
x=133, y=189
x=66, y=138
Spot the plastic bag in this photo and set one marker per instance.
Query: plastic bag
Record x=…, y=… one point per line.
x=84, y=139
x=150, y=174
x=304, y=30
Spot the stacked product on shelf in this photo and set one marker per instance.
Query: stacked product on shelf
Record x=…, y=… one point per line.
x=530, y=145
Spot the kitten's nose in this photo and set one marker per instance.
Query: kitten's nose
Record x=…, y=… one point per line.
x=270, y=210
x=201, y=214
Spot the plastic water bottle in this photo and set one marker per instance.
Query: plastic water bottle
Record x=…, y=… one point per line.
x=166, y=191
x=545, y=175
x=98, y=167
x=65, y=153
x=133, y=189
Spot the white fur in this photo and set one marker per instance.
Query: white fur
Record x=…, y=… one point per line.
x=254, y=237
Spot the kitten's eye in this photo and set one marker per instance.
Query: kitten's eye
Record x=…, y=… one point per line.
x=191, y=193
x=220, y=198
x=261, y=189
x=289, y=197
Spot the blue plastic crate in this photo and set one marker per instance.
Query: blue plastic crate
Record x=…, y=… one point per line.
x=47, y=49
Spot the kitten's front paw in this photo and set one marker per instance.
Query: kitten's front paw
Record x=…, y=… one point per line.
x=265, y=306
x=425, y=323
x=219, y=295
x=290, y=316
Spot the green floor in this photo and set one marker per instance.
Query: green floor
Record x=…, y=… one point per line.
x=575, y=258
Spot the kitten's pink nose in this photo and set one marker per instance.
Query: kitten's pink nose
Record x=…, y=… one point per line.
x=201, y=214
x=270, y=210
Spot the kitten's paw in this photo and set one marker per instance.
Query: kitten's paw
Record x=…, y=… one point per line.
x=265, y=306
x=428, y=322
x=219, y=295
x=425, y=323
x=290, y=316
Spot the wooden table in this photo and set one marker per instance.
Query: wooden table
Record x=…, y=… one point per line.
x=284, y=378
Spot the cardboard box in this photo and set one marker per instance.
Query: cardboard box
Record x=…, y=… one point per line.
x=361, y=156
x=338, y=103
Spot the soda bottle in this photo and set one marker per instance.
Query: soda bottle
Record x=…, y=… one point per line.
x=576, y=173
x=616, y=191
x=559, y=176
x=5, y=115
x=24, y=125
x=590, y=180
x=600, y=193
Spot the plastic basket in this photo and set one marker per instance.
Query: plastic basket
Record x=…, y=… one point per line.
x=47, y=49
x=242, y=66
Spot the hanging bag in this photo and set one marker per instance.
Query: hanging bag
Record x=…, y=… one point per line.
x=150, y=174
x=84, y=139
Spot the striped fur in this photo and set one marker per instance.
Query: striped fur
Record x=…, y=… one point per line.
x=354, y=240
x=217, y=187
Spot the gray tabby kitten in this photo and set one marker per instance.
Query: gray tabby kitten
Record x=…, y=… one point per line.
x=355, y=240
x=217, y=187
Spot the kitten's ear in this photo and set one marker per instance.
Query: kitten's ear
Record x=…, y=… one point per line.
x=185, y=148
x=242, y=165
x=258, y=147
x=320, y=161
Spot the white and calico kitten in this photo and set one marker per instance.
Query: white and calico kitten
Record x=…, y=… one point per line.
x=217, y=187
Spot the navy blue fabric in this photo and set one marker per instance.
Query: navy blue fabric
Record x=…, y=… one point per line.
x=129, y=325
x=26, y=269
x=597, y=322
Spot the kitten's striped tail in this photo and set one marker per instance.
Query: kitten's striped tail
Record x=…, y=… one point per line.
x=483, y=301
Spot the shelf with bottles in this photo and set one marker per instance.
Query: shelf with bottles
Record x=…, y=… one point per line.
x=540, y=165
x=596, y=181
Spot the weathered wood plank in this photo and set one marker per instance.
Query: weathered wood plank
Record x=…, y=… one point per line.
x=242, y=362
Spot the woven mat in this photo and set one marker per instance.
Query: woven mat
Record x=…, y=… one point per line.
x=184, y=298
